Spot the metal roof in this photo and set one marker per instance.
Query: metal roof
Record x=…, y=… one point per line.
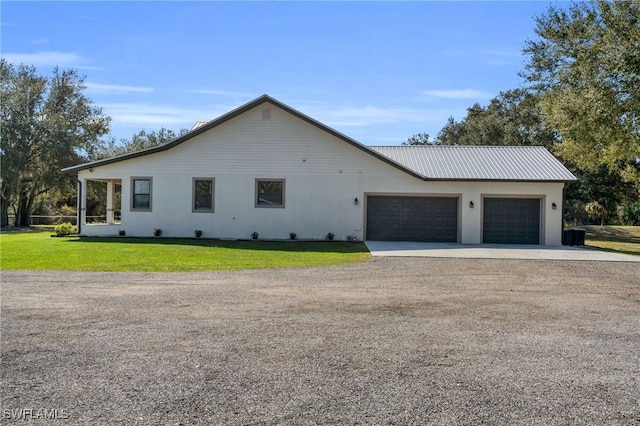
x=500, y=163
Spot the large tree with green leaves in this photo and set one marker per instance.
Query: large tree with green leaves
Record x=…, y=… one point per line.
x=420, y=139
x=512, y=118
x=46, y=124
x=139, y=141
x=585, y=66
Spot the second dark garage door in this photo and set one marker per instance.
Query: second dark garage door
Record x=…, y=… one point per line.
x=511, y=221
x=397, y=218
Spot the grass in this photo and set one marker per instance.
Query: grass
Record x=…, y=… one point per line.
x=35, y=250
x=620, y=239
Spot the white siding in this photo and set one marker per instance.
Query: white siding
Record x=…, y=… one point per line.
x=323, y=177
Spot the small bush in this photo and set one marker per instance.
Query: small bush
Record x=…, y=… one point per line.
x=157, y=232
x=293, y=236
x=330, y=236
x=64, y=229
x=631, y=213
x=254, y=235
x=68, y=210
x=197, y=233
x=122, y=232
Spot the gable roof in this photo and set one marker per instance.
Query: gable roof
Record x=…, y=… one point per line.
x=201, y=128
x=422, y=162
x=499, y=163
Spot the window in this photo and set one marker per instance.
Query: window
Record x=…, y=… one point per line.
x=203, y=195
x=269, y=192
x=141, y=194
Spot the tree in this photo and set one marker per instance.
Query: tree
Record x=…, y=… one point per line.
x=45, y=124
x=603, y=187
x=139, y=141
x=594, y=208
x=419, y=139
x=512, y=118
x=585, y=66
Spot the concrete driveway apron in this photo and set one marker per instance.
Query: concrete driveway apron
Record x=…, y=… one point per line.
x=494, y=251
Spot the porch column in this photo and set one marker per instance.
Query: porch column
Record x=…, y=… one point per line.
x=110, y=202
x=82, y=201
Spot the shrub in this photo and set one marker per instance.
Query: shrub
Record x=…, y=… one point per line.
x=197, y=233
x=293, y=236
x=157, y=232
x=122, y=232
x=254, y=235
x=68, y=210
x=64, y=229
x=631, y=213
x=330, y=236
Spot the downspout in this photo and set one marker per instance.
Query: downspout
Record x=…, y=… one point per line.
x=79, y=206
x=564, y=243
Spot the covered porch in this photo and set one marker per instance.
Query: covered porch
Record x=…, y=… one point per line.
x=100, y=205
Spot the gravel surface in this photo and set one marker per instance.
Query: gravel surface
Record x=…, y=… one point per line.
x=392, y=341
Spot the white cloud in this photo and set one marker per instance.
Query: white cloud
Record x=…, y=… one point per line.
x=358, y=116
x=42, y=40
x=146, y=116
x=499, y=57
x=501, y=53
x=49, y=58
x=116, y=89
x=224, y=93
x=458, y=94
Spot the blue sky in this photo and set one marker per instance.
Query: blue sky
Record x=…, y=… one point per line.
x=376, y=71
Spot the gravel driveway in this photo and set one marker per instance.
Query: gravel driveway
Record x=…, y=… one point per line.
x=392, y=341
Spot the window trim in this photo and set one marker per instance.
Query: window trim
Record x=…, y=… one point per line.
x=133, y=194
x=269, y=206
x=193, y=195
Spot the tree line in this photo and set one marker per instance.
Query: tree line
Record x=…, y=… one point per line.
x=580, y=99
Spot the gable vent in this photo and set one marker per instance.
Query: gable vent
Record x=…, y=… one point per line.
x=266, y=114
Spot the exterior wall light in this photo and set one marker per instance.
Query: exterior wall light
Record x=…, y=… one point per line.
x=554, y=206
x=470, y=204
x=355, y=201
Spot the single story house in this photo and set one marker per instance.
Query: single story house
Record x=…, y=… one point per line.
x=267, y=168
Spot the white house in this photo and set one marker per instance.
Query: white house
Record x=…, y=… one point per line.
x=267, y=168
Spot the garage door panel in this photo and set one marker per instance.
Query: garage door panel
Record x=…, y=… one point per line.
x=412, y=218
x=511, y=221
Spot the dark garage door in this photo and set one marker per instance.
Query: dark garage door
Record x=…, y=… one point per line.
x=412, y=219
x=511, y=221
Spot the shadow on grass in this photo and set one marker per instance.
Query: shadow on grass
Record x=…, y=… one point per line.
x=625, y=234
x=614, y=250
x=294, y=246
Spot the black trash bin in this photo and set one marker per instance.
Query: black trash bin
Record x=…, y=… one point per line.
x=569, y=237
x=578, y=237
x=574, y=237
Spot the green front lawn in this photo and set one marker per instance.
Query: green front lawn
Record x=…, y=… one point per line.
x=36, y=250
x=621, y=239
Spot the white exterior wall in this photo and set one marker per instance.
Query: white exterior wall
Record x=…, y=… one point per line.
x=323, y=176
